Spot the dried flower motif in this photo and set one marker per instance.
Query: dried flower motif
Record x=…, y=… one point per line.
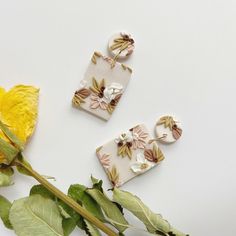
x=103, y=97
x=134, y=139
x=104, y=159
x=80, y=95
x=113, y=176
x=139, y=137
x=141, y=165
x=111, y=91
x=124, y=143
x=169, y=122
x=154, y=154
x=98, y=87
x=125, y=150
x=96, y=102
x=124, y=42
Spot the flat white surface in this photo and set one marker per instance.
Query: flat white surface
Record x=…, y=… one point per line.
x=184, y=64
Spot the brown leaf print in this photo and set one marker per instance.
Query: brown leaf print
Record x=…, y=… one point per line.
x=150, y=156
x=80, y=95
x=176, y=132
x=154, y=155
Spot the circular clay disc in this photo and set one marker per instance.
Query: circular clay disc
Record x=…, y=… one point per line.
x=168, y=130
x=121, y=45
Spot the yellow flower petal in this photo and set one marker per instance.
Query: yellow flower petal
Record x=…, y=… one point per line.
x=18, y=110
x=2, y=92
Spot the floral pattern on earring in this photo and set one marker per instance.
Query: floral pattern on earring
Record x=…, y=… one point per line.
x=102, y=87
x=141, y=165
x=135, y=138
x=129, y=155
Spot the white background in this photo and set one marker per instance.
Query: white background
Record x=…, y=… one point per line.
x=184, y=64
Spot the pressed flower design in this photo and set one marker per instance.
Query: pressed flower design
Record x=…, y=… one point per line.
x=124, y=143
x=97, y=102
x=154, y=155
x=134, y=139
x=124, y=42
x=130, y=154
x=170, y=123
x=80, y=95
x=103, y=97
x=139, y=137
x=103, y=85
x=141, y=165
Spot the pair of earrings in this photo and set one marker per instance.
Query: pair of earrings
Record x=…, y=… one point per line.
x=133, y=152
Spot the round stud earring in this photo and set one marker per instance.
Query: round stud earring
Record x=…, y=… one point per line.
x=121, y=45
x=168, y=130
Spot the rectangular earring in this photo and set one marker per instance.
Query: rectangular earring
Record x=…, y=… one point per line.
x=128, y=155
x=135, y=152
x=105, y=79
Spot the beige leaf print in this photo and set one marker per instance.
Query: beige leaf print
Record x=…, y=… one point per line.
x=167, y=121
x=94, y=57
x=124, y=151
x=113, y=176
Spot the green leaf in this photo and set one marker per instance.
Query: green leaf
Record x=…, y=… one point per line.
x=91, y=230
x=21, y=169
x=5, y=206
x=111, y=210
x=41, y=190
x=70, y=217
x=12, y=137
x=68, y=211
x=97, y=184
x=8, y=150
x=68, y=226
x=154, y=223
x=36, y=215
x=6, y=176
x=78, y=193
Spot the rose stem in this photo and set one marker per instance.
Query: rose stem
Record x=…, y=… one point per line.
x=69, y=201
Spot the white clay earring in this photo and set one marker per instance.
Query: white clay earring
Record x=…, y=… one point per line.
x=105, y=79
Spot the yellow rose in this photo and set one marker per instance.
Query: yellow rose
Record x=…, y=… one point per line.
x=18, y=115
